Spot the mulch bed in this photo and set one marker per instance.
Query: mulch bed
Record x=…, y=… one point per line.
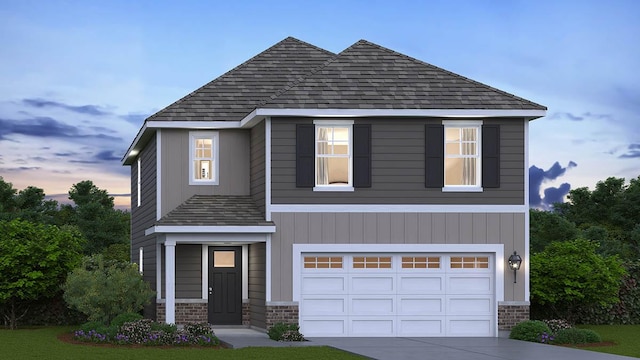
x=68, y=338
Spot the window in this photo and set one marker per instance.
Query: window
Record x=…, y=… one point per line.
x=323, y=262
x=469, y=262
x=420, y=262
x=372, y=262
x=203, y=158
x=139, y=177
x=462, y=156
x=140, y=260
x=333, y=156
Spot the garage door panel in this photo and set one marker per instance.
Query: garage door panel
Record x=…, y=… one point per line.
x=469, y=304
x=328, y=305
x=417, y=284
x=371, y=305
x=366, y=326
x=325, y=326
x=421, y=326
x=323, y=284
x=469, y=283
x=421, y=305
x=373, y=284
x=469, y=326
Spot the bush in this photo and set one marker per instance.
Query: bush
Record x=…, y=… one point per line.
x=285, y=332
x=557, y=324
x=119, y=320
x=102, y=292
x=530, y=330
x=577, y=336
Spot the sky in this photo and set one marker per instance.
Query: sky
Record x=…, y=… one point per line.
x=77, y=78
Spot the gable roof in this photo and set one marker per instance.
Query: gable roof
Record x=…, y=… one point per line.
x=234, y=94
x=369, y=76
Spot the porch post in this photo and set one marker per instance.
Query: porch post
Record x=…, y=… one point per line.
x=170, y=281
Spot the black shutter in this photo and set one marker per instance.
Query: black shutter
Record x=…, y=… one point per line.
x=362, y=155
x=434, y=156
x=490, y=156
x=305, y=155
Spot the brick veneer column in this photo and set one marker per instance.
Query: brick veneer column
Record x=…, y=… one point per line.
x=510, y=315
x=281, y=313
x=185, y=313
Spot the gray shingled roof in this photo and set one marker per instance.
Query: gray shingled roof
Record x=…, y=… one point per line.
x=298, y=75
x=236, y=93
x=369, y=76
x=216, y=210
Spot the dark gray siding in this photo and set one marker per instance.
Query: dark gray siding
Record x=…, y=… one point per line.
x=257, y=263
x=188, y=272
x=257, y=168
x=398, y=173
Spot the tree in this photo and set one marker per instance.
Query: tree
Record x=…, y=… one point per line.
x=568, y=275
x=547, y=227
x=104, y=289
x=7, y=199
x=34, y=262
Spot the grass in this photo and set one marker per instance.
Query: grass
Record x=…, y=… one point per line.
x=625, y=338
x=42, y=343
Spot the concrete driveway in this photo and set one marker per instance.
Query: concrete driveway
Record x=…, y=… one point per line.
x=458, y=349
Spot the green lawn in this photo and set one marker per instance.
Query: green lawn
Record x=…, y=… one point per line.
x=626, y=338
x=42, y=343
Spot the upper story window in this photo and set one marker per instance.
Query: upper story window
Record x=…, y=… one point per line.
x=203, y=158
x=333, y=155
x=462, y=167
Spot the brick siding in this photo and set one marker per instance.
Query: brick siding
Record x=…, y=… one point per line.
x=510, y=315
x=281, y=313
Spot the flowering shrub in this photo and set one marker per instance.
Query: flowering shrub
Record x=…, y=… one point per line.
x=546, y=338
x=285, y=332
x=557, y=324
x=148, y=332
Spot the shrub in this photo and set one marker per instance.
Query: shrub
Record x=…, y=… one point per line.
x=285, y=332
x=119, y=320
x=198, y=329
x=557, y=324
x=530, y=330
x=102, y=292
x=577, y=336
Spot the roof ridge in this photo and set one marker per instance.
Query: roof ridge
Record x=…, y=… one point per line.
x=229, y=72
x=365, y=42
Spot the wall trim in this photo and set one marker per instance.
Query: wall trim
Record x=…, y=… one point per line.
x=184, y=301
x=267, y=169
x=409, y=208
x=514, y=303
x=527, y=253
x=210, y=229
x=213, y=239
x=281, y=303
x=158, y=175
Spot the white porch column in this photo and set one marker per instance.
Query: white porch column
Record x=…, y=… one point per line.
x=170, y=281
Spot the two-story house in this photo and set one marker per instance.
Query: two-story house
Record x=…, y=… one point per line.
x=364, y=193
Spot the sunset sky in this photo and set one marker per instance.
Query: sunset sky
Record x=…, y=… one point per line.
x=79, y=77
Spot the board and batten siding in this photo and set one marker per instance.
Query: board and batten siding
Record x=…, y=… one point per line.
x=257, y=165
x=188, y=272
x=144, y=216
x=234, y=149
x=392, y=228
x=257, y=293
x=398, y=166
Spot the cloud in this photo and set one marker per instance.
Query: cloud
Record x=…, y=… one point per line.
x=632, y=152
x=565, y=115
x=135, y=119
x=83, y=109
x=538, y=176
x=106, y=155
x=45, y=127
x=20, y=168
x=65, y=154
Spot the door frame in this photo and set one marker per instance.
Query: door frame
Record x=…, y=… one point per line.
x=239, y=269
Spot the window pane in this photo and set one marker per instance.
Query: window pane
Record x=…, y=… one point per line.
x=203, y=169
x=341, y=135
x=224, y=259
x=452, y=134
x=460, y=171
x=338, y=170
x=469, y=134
x=323, y=148
x=453, y=149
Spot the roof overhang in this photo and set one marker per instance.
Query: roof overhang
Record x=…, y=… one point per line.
x=166, y=229
x=257, y=115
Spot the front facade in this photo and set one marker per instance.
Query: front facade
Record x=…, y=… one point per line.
x=363, y=193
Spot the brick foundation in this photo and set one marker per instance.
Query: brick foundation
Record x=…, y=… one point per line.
x=510, y=315
x=281, y=313
x=185, y=313
x=246, y=314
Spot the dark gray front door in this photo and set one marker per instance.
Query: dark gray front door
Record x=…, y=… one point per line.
x=225, y=285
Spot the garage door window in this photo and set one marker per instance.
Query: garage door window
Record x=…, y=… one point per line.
x=323, y=262
x=469, y=262
x=420, y=262
x=372, y=262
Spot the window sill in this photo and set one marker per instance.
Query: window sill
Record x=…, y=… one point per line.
x=201, y=182
x=333, y=188
x=462, y=189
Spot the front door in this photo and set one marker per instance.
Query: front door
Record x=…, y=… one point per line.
x=225, y=285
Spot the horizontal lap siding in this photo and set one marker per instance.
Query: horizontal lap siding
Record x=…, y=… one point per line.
x=257, y=263
x=397, y=167
x=257, y=165
x=188, y=272
x=392, y=228
x=144, y=216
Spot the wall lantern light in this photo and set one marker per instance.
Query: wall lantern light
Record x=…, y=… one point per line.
x=514, y=264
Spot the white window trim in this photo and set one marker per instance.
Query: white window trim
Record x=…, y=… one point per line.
x=333, y=123
x=214, y=136
x=467, y=124
x=139, y=177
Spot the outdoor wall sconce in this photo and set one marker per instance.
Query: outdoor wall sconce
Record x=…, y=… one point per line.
x=514, y=264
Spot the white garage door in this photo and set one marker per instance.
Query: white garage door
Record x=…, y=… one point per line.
x=397, y=295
